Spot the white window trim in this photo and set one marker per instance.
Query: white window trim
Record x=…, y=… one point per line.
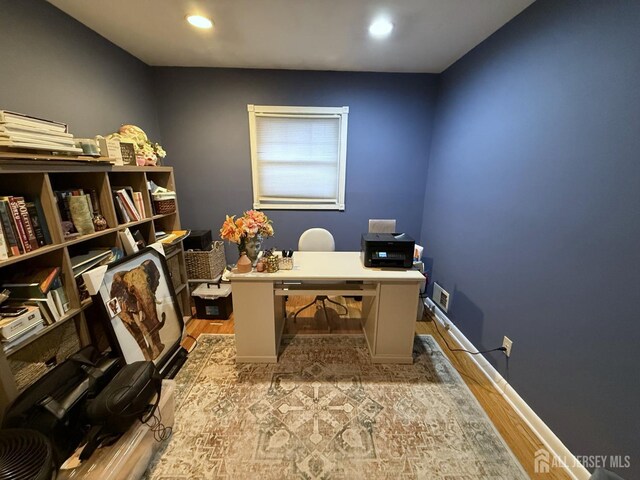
x=303, y=204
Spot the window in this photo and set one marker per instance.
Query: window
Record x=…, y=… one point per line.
x=298, y=157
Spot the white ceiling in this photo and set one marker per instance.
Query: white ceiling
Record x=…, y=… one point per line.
x=428, y=35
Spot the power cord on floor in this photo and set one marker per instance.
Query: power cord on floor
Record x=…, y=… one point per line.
x=499, y=349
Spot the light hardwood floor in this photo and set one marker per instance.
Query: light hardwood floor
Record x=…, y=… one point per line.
x=518, y=436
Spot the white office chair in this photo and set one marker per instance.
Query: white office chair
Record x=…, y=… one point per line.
x=382, y=225
x=318, y=240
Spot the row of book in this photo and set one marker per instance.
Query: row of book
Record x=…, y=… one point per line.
x=23, y=131
x=23, y=226
x=129, y=204
x=37, y=288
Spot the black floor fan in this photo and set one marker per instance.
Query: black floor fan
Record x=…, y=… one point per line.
x=25, y=455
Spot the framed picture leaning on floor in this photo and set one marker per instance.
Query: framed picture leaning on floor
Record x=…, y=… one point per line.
x=142, y=308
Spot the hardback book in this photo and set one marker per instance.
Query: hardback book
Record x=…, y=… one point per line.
x=33, y=283
x=121, y=212
x=139, y=203
x=8, y=228
x=39, y=224
x=15, y=214
x=48, y=317
x=126, y=197
x=26, y=222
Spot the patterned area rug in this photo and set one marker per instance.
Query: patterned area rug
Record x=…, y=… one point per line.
x=325, y=411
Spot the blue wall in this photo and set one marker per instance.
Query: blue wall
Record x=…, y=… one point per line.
x=54, y=67
x=205, y=129
x=532, y=213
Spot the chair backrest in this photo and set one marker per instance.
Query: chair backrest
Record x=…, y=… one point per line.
x=316, y=240
x=382, y=226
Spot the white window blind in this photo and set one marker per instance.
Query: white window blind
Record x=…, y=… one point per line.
x=298, y=156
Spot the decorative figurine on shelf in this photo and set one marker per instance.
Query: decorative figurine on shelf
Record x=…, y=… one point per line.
x=248, y=232
x=271, y=261
x=99, y=222
x=147, y=153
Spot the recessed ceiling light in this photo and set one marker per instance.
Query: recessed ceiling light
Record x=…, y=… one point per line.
x=380, y=28
x=199, y=21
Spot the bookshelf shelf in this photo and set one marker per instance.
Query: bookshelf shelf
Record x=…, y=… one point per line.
x=27, y=256
x=38, y=177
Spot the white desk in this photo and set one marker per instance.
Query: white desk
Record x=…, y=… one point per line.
x=389, y=304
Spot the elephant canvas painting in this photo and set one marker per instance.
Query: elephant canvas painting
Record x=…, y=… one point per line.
x=141, y=304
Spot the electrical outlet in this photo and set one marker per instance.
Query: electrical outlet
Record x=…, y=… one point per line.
x=441, y=297
x=507, y=343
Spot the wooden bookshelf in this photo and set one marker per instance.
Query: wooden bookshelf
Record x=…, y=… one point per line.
x=39, y=176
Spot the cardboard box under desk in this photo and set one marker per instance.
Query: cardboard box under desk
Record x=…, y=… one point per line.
x=213, y=301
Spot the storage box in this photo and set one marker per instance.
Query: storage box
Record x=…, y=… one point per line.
x=205, y=264
x=198, y=240
x=213, y=301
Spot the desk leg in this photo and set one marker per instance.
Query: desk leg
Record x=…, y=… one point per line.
x=257, y=335
x=396, y=324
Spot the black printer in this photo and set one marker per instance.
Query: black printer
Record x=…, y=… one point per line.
x=387, y=250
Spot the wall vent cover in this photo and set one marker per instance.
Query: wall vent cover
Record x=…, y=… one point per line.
x=440, y=297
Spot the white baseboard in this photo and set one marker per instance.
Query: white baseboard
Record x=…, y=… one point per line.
x=551, y=442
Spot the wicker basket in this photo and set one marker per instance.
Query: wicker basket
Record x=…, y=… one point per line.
x=164, y=207
x=205, y=264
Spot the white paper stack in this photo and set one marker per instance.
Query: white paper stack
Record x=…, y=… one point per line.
x=23, y=131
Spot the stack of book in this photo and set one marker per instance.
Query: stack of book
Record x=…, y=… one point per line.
x=18, y=323
x=129, y=204
x=42, y=288
x=18, y=130
x=23, y=226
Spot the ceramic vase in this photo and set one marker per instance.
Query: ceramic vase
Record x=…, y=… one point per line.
x=244, y=264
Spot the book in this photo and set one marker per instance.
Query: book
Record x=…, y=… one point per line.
x=60, y=299
x=43, y=221
x=36, y=222
x=47, y=317
x=10, y=128
x=26, y=222
x=95, y=203
x=126, y=197
x=4, y=252
x=139, y=203
x=82, y=263
x=63, y=206
x=120, y=210
x=80, y=214
x=15, y=118
x=128, y=243
x=33, y=283
x=8, y=228
x=15, y=213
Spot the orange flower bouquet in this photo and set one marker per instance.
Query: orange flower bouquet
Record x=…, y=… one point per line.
x=247, y=231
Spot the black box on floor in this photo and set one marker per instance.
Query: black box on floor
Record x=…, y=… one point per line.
x=213, y=301
x=198, y=240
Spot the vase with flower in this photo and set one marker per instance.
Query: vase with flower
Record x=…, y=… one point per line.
x=248, y=231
